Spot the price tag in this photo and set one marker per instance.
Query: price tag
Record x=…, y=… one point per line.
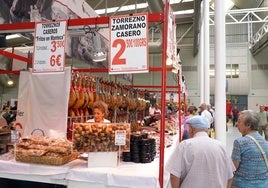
x=120, y=137
x=49, y=46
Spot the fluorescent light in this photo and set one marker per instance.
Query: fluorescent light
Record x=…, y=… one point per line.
x=179, y=1
x=190, y=11
x=13, y=36
x=133, y=7
x=136, y=6
x=123, y=8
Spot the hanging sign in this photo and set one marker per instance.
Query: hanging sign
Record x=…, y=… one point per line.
x=128, y=44
x=49, y=46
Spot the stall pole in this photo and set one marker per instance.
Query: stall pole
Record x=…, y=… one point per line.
x=163, y=93
x=185, y=103
x=179, y=106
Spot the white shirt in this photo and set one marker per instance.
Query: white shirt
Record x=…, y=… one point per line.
x=201, y=162
x=207, y=115
x=93, y=121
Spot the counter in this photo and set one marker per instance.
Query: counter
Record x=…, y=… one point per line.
x=76, y=174
x=11, y=169
x=126, y=174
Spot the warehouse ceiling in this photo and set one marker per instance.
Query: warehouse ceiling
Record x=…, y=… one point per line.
x=188, y=12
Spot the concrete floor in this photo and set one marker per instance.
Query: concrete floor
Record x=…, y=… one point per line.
x=231, y=135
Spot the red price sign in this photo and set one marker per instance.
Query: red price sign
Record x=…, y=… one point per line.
x=49, y=53
x=128, y=44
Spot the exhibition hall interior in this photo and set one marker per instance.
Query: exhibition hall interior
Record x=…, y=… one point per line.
x=144, y=64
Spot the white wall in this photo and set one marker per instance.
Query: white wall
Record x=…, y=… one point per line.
x=251, y=83
x=259, y=80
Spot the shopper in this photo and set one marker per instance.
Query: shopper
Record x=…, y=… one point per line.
x=157, y=110
x=205, y=113
x=235, y=113
x=229, y=107
x=251, y=169
x=151, y=109
x=155, y=113
x=212, y=112
x=263, y=124
x=200, y=161
x=100, y=111
x=190, y=113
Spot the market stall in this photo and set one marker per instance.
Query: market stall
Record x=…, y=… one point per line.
x=76, y=173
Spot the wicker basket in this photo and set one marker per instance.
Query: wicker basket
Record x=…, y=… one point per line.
x=47, y=160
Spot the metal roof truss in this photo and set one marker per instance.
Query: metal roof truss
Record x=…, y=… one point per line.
x=258, y=40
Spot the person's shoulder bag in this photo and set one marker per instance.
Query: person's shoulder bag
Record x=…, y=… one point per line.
x=260, y=148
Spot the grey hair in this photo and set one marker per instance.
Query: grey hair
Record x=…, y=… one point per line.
x=250, y=119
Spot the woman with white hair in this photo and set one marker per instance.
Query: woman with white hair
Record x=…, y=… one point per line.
x=250, y=153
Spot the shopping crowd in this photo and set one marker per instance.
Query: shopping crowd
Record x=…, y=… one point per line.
x=201, y=161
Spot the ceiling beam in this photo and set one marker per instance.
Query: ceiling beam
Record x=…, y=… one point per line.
x=197, y=25
x=30, y=26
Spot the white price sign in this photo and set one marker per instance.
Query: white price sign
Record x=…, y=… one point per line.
x=49, y=46
x=128, y=44
x=120, y=137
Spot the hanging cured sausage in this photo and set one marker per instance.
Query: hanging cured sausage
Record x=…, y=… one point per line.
x=80, y=93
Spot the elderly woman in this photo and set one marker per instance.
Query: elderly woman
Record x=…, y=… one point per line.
x=251, y=169
x=100, y=111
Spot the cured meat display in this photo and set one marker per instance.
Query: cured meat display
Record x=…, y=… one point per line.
x=124, y=103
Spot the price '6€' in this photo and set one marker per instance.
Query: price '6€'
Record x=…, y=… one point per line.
x=55, y=60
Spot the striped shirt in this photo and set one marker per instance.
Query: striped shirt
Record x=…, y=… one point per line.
x=252, y=171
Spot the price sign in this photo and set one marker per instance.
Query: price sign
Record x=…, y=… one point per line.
x=128, y=44
x=49, y=46
x=120, y=137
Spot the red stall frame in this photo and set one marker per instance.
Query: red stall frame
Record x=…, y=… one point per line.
x=154, y=17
